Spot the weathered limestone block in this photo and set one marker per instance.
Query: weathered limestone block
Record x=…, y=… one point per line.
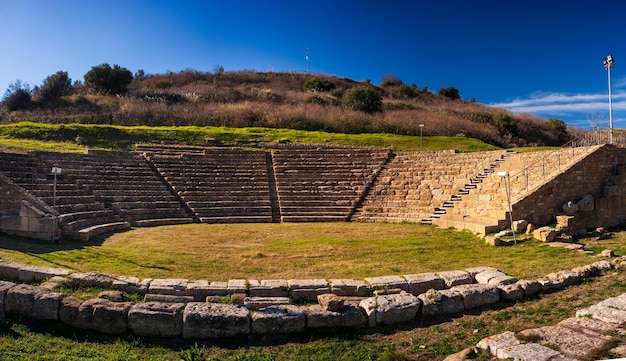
x=545, y=234
x=198, y=290
x=565, y=223
x=38, y=273
x=169, y=286
x=477, y=295
x=390, y=309
x=456, y=278
x=278, y=320
x=528, y=351
x=602, y=266
x=217, y=288
x=607, y=253
x=563, y=278
x=106, y=316
x=21, y=299
x=441, y=302
x=156, y=319
x=269, y=288
x=4, y=287
x=348, y=317
x=237, y=286
x=213, y=320
x=307, y=290
x=603, y=313
x=519, y=226
x=495, y=342
x=46, y=306
x=618, y=302
x=530, y=287
x=473, y=271
x=257, y=303
x=388, y=282
x=94, y=279
x=512, y=292
x=155, y=297
x=10, y=271
x=572, y=342
x=69, y=314
x=584, y=271
x=349, y=287
x=422, y=282
x=589, y=325
x=131, y=284
x=330, y=302
x=485, y=276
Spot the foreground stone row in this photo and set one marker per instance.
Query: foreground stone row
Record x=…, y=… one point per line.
x=572, y=339
x=396, y=300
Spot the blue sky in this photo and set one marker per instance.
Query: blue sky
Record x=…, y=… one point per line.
x=540, y=57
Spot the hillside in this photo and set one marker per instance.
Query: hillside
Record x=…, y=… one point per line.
x=289, y=101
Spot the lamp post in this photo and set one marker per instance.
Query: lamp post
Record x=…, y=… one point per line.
x=56, y=171
x=421, y=127
x=608, y=64
x=507, y=187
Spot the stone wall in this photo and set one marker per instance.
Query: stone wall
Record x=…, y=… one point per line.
x=589, y=176
x=22, y=214
x=182, y=311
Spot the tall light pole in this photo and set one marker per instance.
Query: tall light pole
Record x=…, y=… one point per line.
x=307, y=60
x=608, y=64
x=421, y=127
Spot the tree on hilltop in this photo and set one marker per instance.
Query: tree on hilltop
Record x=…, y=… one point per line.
x=17, y=96
x=54, y=87
x=106, y=80
x=363, y=99
x=450, y=93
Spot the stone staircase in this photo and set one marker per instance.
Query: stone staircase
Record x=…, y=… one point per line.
x=482, y=205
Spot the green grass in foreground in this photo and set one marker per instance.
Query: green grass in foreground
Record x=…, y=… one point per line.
x=69, y=137
x=220, y=252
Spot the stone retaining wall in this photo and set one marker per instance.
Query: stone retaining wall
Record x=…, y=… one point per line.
x=191, y=309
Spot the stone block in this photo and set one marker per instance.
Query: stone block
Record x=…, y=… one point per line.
x=4, y=287
x=519, y=226
x=94, y=279
x=477, y=295
x=21, y=299
x=168, y=286
x=388, y=282
x=199, y=290
x=10, y=271
x=493, y=343
x=69, y=314
x=528, y=351
x=46, y=306
x=618, y=302
x=473, y=271
x=485, y=276
x=131, y=284
x=572, y=342
x=269, y=288
x=156, y=319
x=155, y=297
x=307, y=289
x=257, y=303
x=330, y=302
x=545, y=234
x=217, y=288
x=530, y=287
x=603, y=313
x=349, y=287
x=602, y=266
x=278, y=320
x=563, y=278
x=348, y=317
x=512, y=292
x=237, y=286
x=213, y=320
x=456, y=278
x=106, y=316
x=38, y=273
x=503, y=279
x=422, y=282
x=399, y=308
x=112, y=295
x=441, y=302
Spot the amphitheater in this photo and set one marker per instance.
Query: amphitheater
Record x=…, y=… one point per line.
x=100, y=192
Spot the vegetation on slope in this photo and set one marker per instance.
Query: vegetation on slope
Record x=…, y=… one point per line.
x=310, y=102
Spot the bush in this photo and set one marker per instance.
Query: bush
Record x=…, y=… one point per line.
x=54, y=87
x=106, y=80
x=318, y=84
x=505, y=123
x=450, y=93
x=363, y=99
x=17, y=96
x=315, y=99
